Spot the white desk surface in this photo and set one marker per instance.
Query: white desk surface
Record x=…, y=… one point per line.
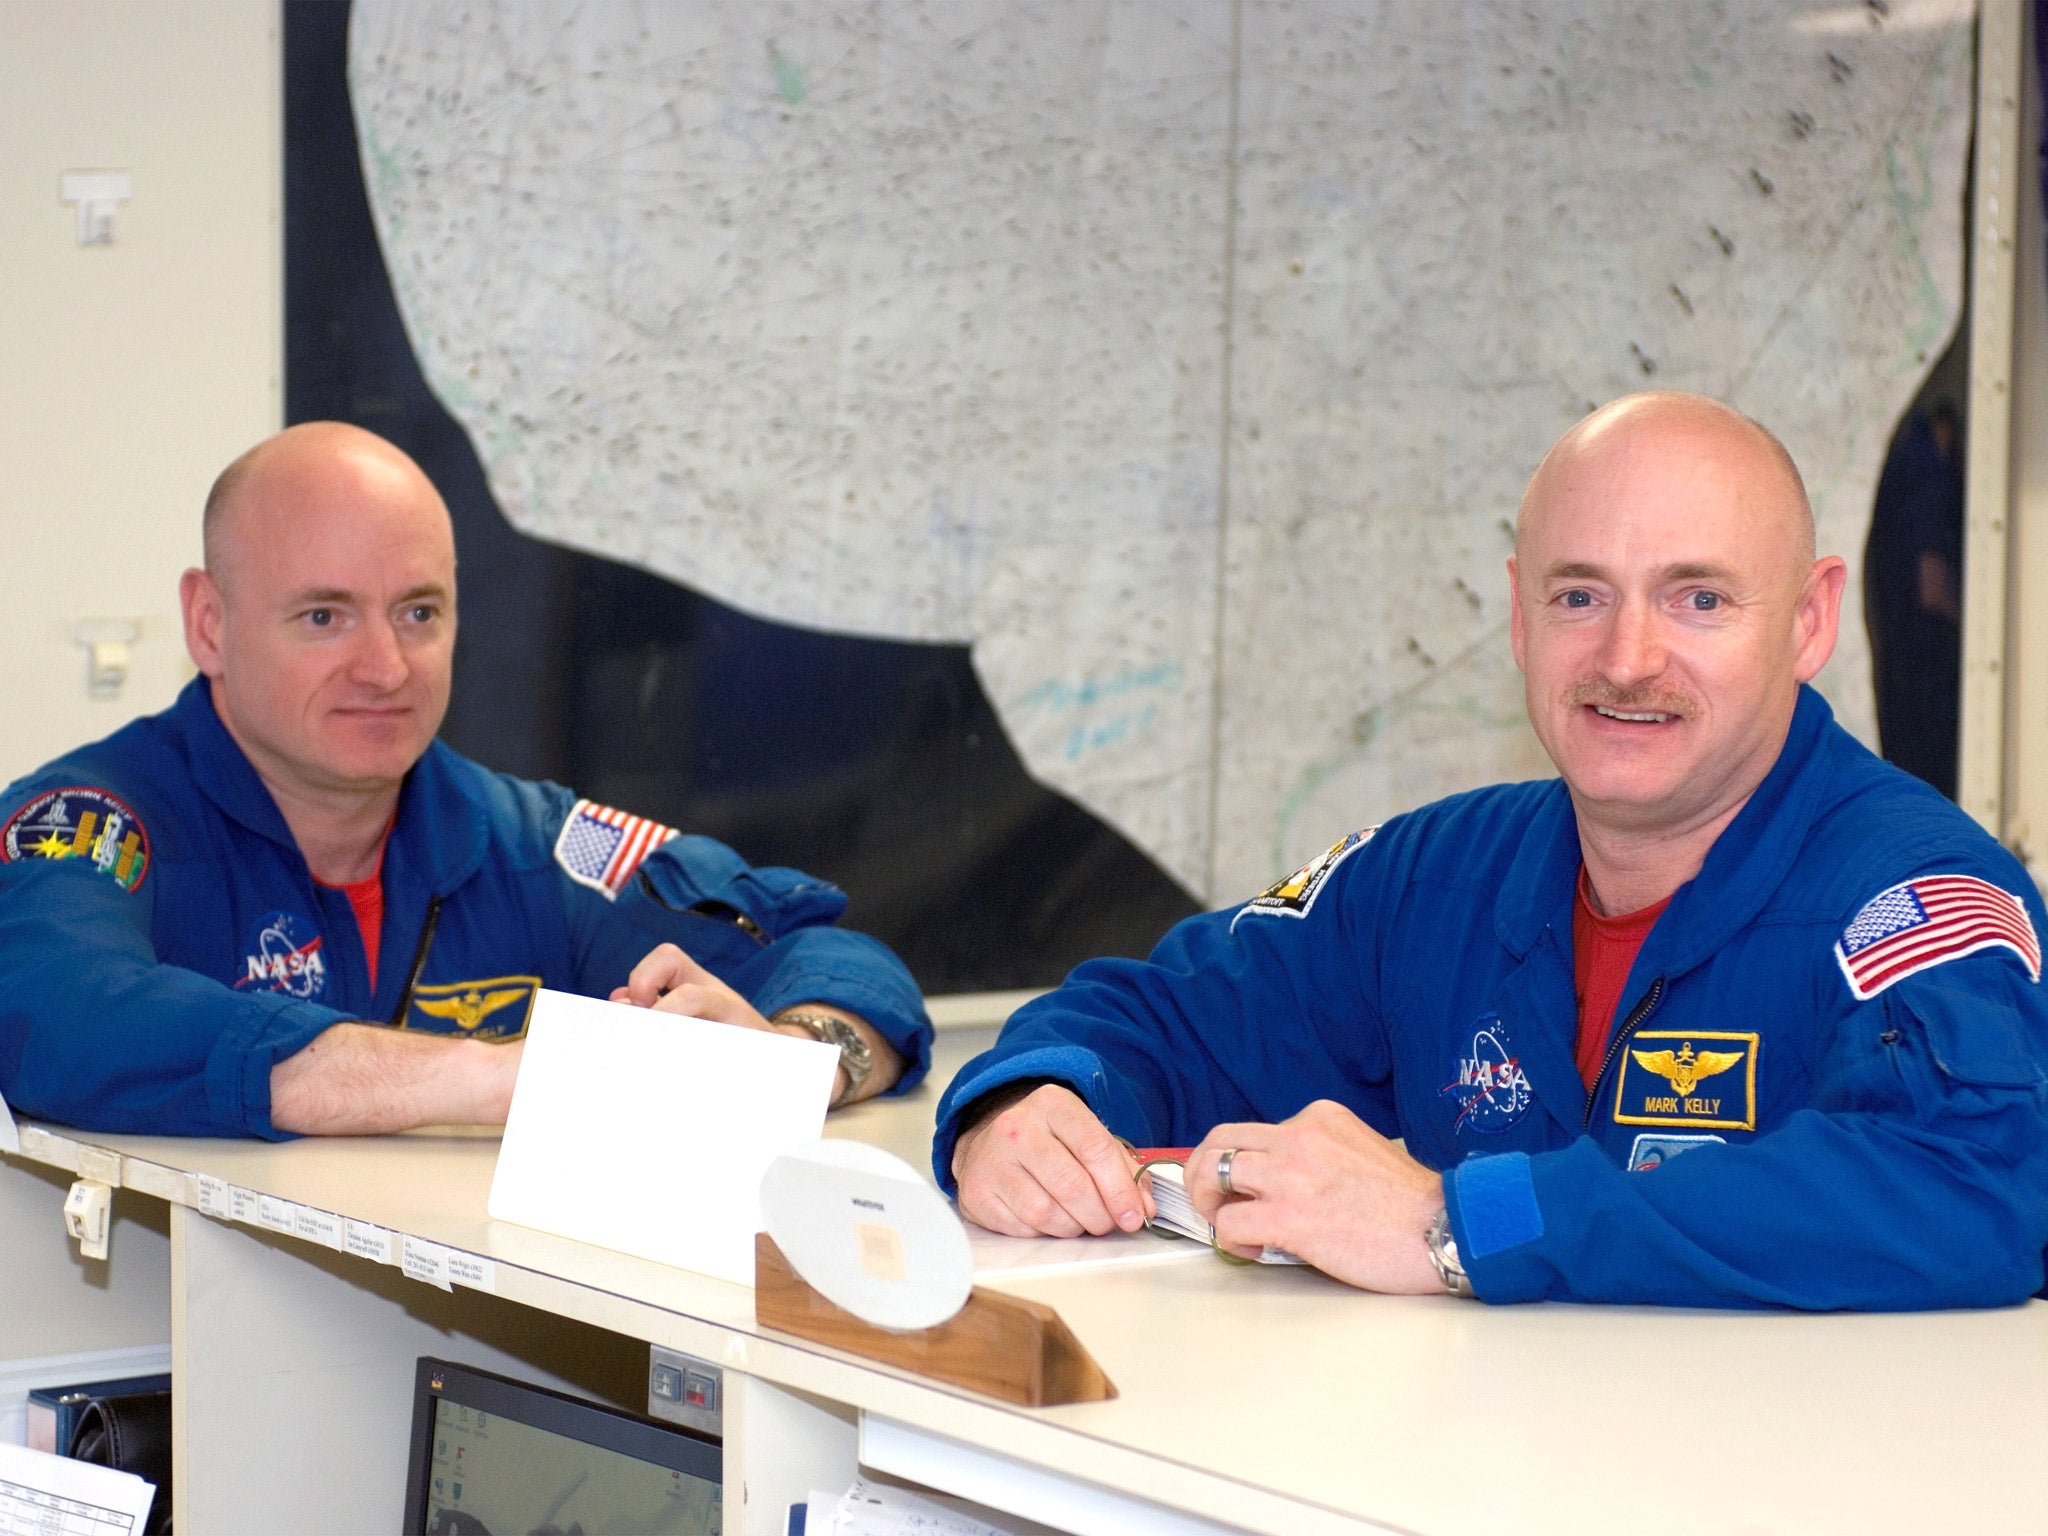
x=1285, y=1402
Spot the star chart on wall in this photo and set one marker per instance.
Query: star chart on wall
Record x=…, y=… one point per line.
x=1184, y=357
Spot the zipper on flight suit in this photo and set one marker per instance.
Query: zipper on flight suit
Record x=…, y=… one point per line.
x=1637, y=1014
x=419, y=963
x=717, y=911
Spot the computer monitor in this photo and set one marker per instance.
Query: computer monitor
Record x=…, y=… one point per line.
x=495, y=1457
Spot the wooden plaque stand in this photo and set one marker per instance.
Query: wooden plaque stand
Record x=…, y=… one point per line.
x=1004, y=1346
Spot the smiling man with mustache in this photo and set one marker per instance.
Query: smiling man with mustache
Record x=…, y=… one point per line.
x=1731, y=1013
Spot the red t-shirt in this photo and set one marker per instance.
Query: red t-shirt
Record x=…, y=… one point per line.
x=1603, y=948
x=366, y=897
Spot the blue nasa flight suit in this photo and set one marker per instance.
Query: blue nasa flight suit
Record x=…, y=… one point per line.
x=163, y=944
x=1759, y=1135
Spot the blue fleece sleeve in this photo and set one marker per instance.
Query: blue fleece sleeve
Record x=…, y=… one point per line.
x=767, y=932
x=1916, y=1179
x=96, y=1033
x=1247, y=1014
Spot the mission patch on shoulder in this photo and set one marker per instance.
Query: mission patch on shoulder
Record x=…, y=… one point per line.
x=1293, y=896
x=80, y=822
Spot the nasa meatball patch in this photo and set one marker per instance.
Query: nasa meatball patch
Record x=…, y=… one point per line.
x=283, y=954
x=1488, y=1085
x=83, y=823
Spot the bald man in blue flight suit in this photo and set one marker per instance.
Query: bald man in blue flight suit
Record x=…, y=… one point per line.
x=282, y=907
x=1812, y=1076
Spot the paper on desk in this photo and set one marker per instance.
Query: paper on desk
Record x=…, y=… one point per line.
x=41, y=1492
x=10, y=1137
x=875, y=1509
x=649, y=1132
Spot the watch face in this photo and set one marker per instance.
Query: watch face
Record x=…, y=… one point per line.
x=854, y=1055
x=859, y=1059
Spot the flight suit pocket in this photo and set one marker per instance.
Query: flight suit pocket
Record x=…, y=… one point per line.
x=700, y=875
x=1973, y=1037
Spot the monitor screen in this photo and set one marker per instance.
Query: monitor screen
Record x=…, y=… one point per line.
x=495, y=1457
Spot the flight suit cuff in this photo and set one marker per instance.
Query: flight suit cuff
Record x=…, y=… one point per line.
x=1079, y=1069
x=238, y=1071
x=896, y=1014
x=1498, y=1224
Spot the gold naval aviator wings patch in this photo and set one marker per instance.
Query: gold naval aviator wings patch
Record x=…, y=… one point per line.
x=1688, y=1082
x=468, y=1007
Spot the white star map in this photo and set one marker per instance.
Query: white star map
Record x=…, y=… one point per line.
x=1183, y=357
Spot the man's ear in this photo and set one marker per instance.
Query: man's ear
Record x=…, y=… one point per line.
x=1515, y=642
x=1817, y=619
x=200, y=602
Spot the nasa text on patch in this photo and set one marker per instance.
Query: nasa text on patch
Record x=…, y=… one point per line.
x=495, y=1009
x=80, y=822
x=283, y=954
x=1488, y=1084
x=1925, y=922
x=1703, y=1079
x=1293, y=896
x=601, y=847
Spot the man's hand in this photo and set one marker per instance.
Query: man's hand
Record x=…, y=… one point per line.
x=1046, y=1166
x=1328, y=1188
x=669, y=980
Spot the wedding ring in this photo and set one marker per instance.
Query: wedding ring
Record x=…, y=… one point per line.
x=1223, y=1171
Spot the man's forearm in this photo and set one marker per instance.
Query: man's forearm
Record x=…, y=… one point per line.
x=366, y=1080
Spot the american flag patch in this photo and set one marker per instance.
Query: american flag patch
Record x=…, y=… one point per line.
x=1924, y=922
x=600, y=847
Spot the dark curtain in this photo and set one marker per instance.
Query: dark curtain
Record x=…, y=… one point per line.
x=877, y=765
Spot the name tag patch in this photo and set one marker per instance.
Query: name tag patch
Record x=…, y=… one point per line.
x=496, y=1009
x=1695, y=1078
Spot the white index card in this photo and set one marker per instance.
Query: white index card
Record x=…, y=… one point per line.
x=649, y=1132
x=41, y=1492
x=214, y=1199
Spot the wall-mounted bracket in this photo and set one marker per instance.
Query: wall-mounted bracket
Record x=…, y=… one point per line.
x=106, y=643
x=88, y=1216
x=99, y=196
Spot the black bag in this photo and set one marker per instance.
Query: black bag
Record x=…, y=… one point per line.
x=131, y=1433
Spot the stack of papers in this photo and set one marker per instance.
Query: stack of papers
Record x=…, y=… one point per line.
x=1174, y=1212
x=40, y=1492
x=873, y=1509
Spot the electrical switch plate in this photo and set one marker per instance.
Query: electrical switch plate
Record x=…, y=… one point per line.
x=682, y=1389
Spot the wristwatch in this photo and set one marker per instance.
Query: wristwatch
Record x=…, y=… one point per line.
x=855, y=1059
x=1443, y=1253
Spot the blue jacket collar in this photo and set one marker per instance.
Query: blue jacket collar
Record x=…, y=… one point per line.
x=1743, y=869
x=224, y=775
x=441, y=830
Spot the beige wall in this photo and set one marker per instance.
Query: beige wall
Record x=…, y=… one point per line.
x=128, y=373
